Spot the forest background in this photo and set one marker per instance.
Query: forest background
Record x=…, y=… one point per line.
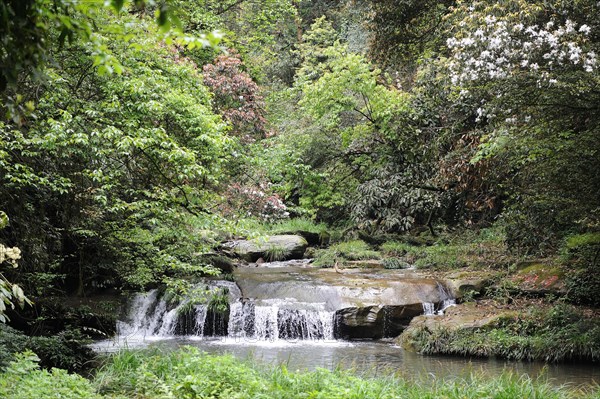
x=136, y=136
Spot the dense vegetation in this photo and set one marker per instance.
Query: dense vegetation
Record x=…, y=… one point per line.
x=137, y=135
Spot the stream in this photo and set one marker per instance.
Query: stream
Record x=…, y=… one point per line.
x=307, y=318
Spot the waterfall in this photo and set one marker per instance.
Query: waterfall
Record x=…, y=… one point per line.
x=151, y=315
x=446, y=301
x=428, y=308
x=277, y=320
x=446, y=297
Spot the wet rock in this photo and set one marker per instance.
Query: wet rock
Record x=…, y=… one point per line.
x=369, y=303
x=287, y=247
x=463, y=284
x=221, y=262
x=375, y=322
x=312, y=238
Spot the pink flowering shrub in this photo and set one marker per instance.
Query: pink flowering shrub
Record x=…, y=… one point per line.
x=254, y=201
x=236, y=97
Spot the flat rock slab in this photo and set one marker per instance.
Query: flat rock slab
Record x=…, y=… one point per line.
x=460, y=317
x=368, y=303
x=288, y=246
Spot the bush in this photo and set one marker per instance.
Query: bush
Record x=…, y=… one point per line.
x=23, y=379
x=583, y=282
x=65, y=350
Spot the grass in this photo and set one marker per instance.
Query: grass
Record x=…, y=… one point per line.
x=257, y=228
x=348, y=250
x=276, y=253
x=482, y=249
x=189, y=373
x=297, y=224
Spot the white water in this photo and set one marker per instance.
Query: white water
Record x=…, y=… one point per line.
x=446, y=298
x=151, y=316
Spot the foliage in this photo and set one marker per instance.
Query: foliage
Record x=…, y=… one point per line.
x=531, y=108
x=113, y=166
x=556, y=334
x=276, y=253
x=394, y=248
x=249, y=200
x=403, y=30
x=485, y=248
x=583, y=281
x=294, y=225
x=65, y=350
x=236, y=97
x=580, y=240
x=22, y=379
x=394, y=263
x=219, y=300
x=30, y=30
x=10, y=293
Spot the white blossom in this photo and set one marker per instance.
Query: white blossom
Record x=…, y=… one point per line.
x=585, y=29
x=495, y=49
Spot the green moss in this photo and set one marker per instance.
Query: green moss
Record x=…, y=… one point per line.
x=579, y=240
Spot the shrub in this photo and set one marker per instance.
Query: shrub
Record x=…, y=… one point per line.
x=583, y=282
x=394, y=263
x=64, y=350
x=23, y=379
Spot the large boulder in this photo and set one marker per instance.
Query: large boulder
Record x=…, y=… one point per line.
x=465, y=284
x=375, y=322
x=469, y=316
x=277, y=247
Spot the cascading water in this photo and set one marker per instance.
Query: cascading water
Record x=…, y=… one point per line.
x=446, y=301
x=151, y=315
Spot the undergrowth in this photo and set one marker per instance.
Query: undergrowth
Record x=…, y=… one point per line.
x=254, y=227
x=348, y=250
x=484, y=248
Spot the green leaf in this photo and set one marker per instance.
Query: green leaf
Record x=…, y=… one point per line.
x=117, y=4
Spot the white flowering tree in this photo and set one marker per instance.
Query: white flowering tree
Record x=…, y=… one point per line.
x=515, y=56
x=529, y=72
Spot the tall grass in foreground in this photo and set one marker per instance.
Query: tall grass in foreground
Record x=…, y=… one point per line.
x=188, y=373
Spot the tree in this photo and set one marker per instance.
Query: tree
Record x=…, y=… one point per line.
x=237, y=97
x=530, y=72
x=110, y=175
x=30, y=30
